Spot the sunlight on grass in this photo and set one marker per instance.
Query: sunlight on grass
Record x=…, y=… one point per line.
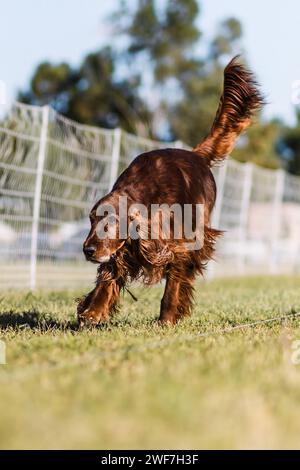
x=133, y=384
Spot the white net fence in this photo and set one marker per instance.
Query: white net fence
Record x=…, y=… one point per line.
x=52, y=170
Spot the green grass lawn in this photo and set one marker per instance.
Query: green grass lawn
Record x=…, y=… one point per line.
x=134, y=384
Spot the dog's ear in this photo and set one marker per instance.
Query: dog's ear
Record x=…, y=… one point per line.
x=107, y=227
x=138, y=223
x=155, y=252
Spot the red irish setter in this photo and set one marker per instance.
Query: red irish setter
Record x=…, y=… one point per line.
x=169, y=176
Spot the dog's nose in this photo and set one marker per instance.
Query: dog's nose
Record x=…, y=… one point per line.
x=89, y=251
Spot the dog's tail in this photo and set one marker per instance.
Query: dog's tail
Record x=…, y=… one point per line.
x=240, y=100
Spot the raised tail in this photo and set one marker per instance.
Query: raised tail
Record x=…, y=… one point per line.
x=240, y=100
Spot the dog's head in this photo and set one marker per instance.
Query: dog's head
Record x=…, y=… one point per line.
x=104, y=238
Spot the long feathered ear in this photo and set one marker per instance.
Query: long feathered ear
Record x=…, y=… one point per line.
x=240, y=100
x=155, y=252
x=138, y=223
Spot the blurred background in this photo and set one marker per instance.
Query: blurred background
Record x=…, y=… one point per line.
x=85, y=87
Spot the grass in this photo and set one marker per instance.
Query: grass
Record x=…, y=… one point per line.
x=133, y=384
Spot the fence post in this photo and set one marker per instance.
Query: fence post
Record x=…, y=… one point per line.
x=37, y=196
x=216, y=216
x=245, y=204
x=115, y=157
x=276, y=218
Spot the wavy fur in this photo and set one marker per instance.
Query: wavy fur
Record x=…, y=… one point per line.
x=240, y=101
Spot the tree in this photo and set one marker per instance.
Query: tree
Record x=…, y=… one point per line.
x=189, y=85
x=90, y=93
x=168, y=37
x=260, y=145
x=158, y=85
x=202, y=88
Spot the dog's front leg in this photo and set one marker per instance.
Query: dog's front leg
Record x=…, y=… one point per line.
x=97, y=305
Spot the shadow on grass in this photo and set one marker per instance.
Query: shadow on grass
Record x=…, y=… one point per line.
x=35, y=321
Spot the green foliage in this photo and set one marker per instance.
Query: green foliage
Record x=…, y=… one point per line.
x=191, y=117
x=167, y=37
x=258, y=145
x=230, y=32
x=132, y=384
x=160, y=59
x=90, y=94
x=171, y=40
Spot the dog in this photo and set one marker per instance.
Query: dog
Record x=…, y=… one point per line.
x=165, y=177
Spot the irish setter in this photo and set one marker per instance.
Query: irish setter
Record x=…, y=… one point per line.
x=169, y=176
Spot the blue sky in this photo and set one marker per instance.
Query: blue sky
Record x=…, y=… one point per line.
x=35, y=30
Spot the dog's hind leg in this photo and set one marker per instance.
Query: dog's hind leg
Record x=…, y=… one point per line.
x=186, y=295
x=170, y=300
x=177, y=299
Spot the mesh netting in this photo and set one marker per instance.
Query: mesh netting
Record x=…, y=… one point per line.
x=52, y=170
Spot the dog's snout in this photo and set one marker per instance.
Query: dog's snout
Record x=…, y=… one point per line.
x=89, y=251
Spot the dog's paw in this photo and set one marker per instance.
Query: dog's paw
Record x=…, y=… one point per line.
x=166, y=321
x=90, y=318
